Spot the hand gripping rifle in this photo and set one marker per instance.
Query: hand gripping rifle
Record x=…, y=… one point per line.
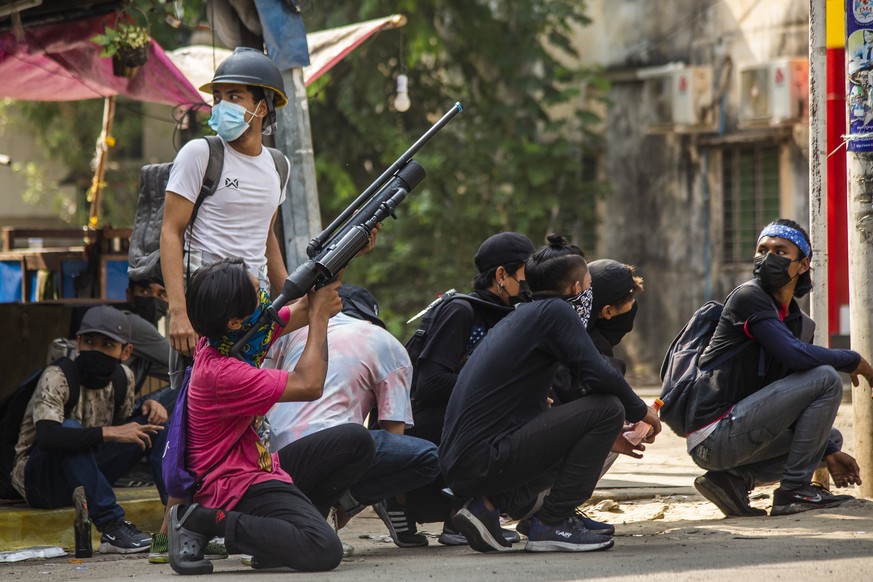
x=334, y=248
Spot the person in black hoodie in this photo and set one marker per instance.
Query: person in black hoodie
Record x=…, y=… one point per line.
x=765, y=412
x=614, y=309
x=503, y=445
x=457, y=329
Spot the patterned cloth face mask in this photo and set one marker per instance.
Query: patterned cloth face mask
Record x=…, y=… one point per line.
x=256, y=348
x=582, y=304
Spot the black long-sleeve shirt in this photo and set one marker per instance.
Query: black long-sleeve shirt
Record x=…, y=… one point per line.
x=506, y=381
x=447, y=344
x=51, y=435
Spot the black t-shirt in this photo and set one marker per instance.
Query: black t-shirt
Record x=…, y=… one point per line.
x=756, y=364
x=506, y=381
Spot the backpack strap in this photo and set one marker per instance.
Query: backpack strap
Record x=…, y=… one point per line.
x=119, y=390
x=212, y=174
x=68, y=368
x=214, y=165
x=119, y=386
x=283, y=166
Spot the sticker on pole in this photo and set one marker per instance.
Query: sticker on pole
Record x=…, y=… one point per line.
x=859, y=73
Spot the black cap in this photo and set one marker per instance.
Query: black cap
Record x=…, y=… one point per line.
x=611, y=281
x=501, y=249
x=360, y=303
x=248, y=66
x=108, y=321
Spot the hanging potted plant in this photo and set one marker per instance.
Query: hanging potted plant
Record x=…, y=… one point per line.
x=128, y=44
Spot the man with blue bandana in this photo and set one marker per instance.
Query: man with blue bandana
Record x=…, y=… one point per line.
x=766, y=412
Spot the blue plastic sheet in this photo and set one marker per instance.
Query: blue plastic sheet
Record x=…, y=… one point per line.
x=284, y=34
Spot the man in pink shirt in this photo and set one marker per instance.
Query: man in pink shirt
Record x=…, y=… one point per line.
x=247, y=495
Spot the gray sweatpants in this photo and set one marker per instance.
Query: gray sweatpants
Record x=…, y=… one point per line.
x=779, y=433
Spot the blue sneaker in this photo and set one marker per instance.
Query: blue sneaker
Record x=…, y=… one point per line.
x=481, y=527
x=591, y=525
x=567, y=536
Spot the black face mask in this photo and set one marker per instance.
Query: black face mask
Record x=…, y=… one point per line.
x=151, y=309
x=772, y=271
x=524, y=294
x=615, y=328
x=95, y=368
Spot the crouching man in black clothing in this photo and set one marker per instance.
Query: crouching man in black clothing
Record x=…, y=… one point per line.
x=502, y=444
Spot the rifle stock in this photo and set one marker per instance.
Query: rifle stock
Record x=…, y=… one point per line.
x=334, y=248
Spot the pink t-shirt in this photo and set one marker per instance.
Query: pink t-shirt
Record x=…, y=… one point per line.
x=224, y=396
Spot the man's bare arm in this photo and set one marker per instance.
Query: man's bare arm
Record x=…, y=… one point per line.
x=177, y=213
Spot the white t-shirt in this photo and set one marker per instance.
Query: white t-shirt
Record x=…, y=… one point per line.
x=367, y=367
x=235, y=220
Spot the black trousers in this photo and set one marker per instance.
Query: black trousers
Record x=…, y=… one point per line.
x=326, y=463
x=427, y=503
x=281, y=524
x=563, y=449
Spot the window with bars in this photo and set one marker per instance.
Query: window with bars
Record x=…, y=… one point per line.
x=750, y=197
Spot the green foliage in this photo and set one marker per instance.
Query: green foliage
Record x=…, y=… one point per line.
x=125, y=36
x=508, y=162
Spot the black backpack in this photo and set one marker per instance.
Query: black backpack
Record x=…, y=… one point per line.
x=14, y=405
x=144, y=256
x=680, y=369
x=415, y=344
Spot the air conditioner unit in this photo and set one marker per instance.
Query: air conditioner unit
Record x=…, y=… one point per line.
x=678, y=98
x=774, y=93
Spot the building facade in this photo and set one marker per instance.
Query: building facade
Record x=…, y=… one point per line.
x=706, y=136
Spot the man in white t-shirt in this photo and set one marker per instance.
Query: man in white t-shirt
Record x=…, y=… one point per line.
x=369, y=372
x=237, y=220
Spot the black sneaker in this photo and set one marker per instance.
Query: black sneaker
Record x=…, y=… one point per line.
x=402, y=530
x=481, y=527
x=187, y=546
x=139, y=476
x=812, y=496
x=452, y=537
x=567, y=536
x=727, y=492
x=122, y=537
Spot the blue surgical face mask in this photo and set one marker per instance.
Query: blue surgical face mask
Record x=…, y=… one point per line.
x=229, y=120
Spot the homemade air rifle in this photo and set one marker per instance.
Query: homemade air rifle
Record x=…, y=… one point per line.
x=334, y=248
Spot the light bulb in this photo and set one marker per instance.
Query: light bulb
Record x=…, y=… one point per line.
x=401, y=100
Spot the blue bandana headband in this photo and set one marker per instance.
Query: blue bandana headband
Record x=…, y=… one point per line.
x=787, y=233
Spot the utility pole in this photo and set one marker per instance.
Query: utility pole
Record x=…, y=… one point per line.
x=301, y=218
x=859, y=176
x=818, y=167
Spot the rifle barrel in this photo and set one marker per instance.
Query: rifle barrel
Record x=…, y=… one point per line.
x=317, y=243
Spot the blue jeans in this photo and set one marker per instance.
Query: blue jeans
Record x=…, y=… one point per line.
x=402, y=463
x=51, y=476
x=779, y=433
x=165, y=396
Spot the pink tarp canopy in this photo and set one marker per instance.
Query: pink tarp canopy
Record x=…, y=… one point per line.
x=326, y=48
x=58, y=62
